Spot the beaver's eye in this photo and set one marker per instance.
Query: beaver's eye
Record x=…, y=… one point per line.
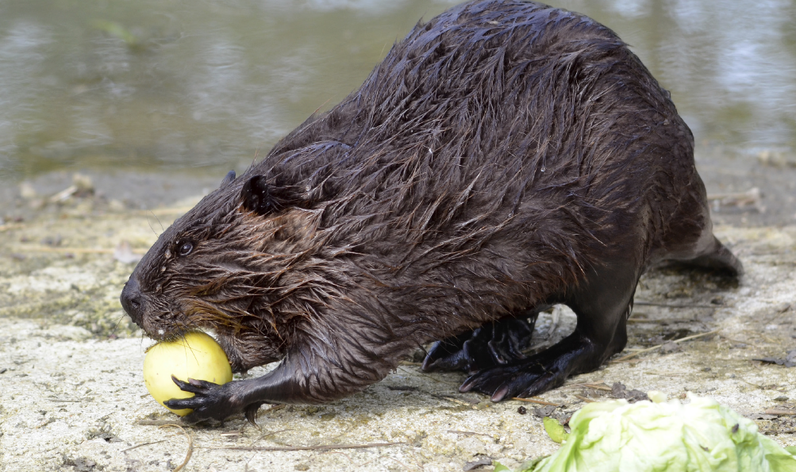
x=184, y=248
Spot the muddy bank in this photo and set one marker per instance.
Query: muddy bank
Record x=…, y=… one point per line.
x=72, y=395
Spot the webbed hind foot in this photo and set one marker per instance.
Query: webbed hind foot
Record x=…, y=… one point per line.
x=498, y=343
x=536, y=374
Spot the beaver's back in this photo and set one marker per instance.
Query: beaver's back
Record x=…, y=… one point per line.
x=503, y=125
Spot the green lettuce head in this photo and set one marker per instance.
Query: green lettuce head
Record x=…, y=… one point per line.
x=662, y=435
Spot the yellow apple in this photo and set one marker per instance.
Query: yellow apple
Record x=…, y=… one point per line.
x=194, y=356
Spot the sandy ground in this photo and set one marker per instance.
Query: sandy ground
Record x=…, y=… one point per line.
x=72, y=396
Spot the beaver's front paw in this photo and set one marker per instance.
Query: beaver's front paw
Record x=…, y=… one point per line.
x=210, y=401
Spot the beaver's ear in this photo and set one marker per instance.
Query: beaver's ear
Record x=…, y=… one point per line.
x=264, y=199
x=227, y=179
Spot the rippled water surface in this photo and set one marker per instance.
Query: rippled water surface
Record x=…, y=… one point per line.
x=167, y=85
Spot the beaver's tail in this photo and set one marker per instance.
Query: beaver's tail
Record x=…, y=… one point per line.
x=718, y=257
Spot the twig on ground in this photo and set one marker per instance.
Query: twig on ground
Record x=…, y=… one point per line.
x=322, y=447
x=780, y=412
x=469, y=433
x=653, y=348
x=535, y=400
x=143, y=444
x=190, y=445
x=673, y=305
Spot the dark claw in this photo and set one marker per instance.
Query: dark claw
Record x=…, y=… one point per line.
x=450, y=354
x=251, y=413
x=193, y=385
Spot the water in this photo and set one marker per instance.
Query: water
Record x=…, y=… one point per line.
x=172, y=85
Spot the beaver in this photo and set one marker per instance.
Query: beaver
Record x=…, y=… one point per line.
x=504, y=157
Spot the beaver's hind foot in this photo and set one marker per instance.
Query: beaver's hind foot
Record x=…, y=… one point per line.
x=493, y=344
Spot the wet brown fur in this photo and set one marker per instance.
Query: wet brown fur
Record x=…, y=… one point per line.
x=496, y=156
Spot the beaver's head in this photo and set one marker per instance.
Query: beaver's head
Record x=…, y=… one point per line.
x=235, y=264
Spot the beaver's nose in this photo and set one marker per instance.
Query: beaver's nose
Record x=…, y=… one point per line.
x=131, y=300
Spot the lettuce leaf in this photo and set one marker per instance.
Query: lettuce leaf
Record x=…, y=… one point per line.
x=699, y=436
